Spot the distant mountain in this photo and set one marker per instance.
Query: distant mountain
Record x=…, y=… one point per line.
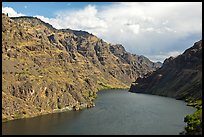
x=159, y=63
x=46, y=70
x=179, y=77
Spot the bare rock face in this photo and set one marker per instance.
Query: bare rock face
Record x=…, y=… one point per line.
x=45, y=70
x=179, y=77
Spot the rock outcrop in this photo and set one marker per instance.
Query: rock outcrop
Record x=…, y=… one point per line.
x=45, y=70
x=179, y=77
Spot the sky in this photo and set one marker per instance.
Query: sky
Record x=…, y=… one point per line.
x=156, y=30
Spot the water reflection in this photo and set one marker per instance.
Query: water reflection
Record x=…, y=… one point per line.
x=40, y=125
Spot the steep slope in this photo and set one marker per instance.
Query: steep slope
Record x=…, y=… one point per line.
x=45, y=70
x=179, y=77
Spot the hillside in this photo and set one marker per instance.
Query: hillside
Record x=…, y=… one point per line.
x=179, y=77
x=45, y=70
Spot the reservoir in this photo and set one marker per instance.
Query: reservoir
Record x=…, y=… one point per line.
x=117, y=112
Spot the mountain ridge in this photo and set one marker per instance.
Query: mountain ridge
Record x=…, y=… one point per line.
x=179, y=77
x=46, y=70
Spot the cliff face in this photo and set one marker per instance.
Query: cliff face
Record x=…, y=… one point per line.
x=45, y=70
x=179, y=77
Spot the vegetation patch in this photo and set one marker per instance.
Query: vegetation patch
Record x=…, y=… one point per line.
x=105, y=86
x=194, y=121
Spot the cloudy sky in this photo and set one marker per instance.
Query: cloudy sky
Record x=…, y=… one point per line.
x=156, y=30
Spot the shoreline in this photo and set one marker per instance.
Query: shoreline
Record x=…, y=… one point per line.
x=76, y=107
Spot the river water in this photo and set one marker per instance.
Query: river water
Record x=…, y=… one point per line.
x=117, y=112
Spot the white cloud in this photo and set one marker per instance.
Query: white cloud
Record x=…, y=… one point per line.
x=11, y=12
x=135, y=28
x=53, y=21
x=163, y=55
x=174, y=53
x=152, y=29
x=84, y=19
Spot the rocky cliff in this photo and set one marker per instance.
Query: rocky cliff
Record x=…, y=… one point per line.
x=179, y=77
x=45, y=70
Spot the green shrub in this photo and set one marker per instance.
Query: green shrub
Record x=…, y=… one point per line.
x=194, y=121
